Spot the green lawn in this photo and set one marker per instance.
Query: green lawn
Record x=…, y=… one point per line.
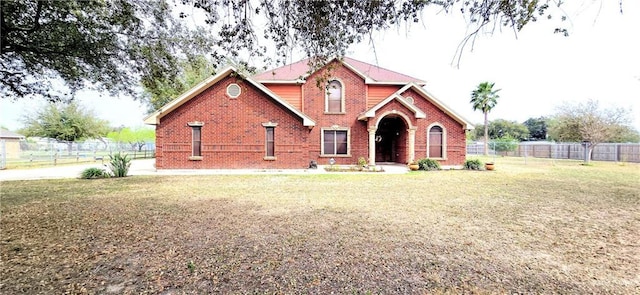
x=544, y=227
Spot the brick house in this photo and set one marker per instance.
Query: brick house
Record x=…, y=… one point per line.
x=282, y=119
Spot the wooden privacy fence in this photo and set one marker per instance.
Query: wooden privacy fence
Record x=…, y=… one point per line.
x=618, y=152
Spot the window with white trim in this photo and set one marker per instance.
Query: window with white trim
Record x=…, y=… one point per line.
x=436, y=142
x=334, y=102
x=410, y=99
x=196, y=140
x=270, y=140
x=335, y=142
x=234, y=90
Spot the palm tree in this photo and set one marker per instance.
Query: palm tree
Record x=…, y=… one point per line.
x=484, y=98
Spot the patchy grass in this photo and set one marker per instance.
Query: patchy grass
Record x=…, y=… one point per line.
x=545, y=227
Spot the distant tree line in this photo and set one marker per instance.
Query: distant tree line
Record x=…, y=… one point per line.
x=572, y=122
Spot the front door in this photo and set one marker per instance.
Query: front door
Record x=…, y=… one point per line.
x=391, y=140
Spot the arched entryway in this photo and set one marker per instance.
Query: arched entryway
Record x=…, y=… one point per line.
x=391, y=140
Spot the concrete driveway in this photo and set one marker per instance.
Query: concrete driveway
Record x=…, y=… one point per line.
x=138, y=167
x=145, y=167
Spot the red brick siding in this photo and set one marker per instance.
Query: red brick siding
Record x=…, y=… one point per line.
x=355, y=104
x=232, y=135
x=456, y=139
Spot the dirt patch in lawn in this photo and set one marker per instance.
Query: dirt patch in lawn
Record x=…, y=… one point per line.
x=300, y=234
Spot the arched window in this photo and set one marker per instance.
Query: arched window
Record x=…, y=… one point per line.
x=436, y=142
x=335, y=97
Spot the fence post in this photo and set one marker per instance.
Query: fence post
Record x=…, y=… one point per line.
x=494, y=152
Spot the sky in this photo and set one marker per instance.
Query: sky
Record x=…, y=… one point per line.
x=535, y=69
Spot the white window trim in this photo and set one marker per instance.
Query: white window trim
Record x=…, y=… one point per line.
x=444, y=141
x=410, y=100
x=335, y=128
x=239, y=90
x=272, y=125
x=191, y=125
x=342, y=101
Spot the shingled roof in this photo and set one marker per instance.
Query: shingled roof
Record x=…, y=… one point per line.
x=10, y=135
x=372, y=74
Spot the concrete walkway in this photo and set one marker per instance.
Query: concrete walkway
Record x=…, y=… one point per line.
x=145, y=167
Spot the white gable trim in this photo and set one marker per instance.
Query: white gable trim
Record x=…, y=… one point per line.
x=467, y=125
x=419, y=114
x=154, y=118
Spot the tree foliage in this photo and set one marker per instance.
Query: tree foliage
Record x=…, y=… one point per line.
x=506, y=143
x=114, y=45
x=484, y=98
x=588, y=122
x=101, y=44
x=160, y=90
x=500, y=128
x=537, y=128
x=65, y=123
x=137, y=137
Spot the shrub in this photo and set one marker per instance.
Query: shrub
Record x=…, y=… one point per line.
x=93, y=173
x=474, y=164
x=119, y=165
x=505, y=144
x=428, y=164
x=362, y=162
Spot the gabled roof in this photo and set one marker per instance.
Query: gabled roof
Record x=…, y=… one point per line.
x=418, y=113
x=370, y=113
x=4, y=133
x=297, y=73
x=154, y=118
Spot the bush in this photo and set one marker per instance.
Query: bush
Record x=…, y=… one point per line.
x=93, y=173
x=474, y=164
x=505, y=144
x=119, y=165
x=362, y=162
x=428, y=164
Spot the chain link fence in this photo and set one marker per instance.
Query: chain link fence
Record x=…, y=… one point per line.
x=48, y=152
x=3, y=154
x=616, y=152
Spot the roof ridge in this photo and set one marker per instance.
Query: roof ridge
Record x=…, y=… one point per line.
x=300, y=70
x=388, y=70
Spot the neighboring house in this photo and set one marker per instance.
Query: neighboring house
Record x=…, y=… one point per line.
x=10, y=144
x=282, y=119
